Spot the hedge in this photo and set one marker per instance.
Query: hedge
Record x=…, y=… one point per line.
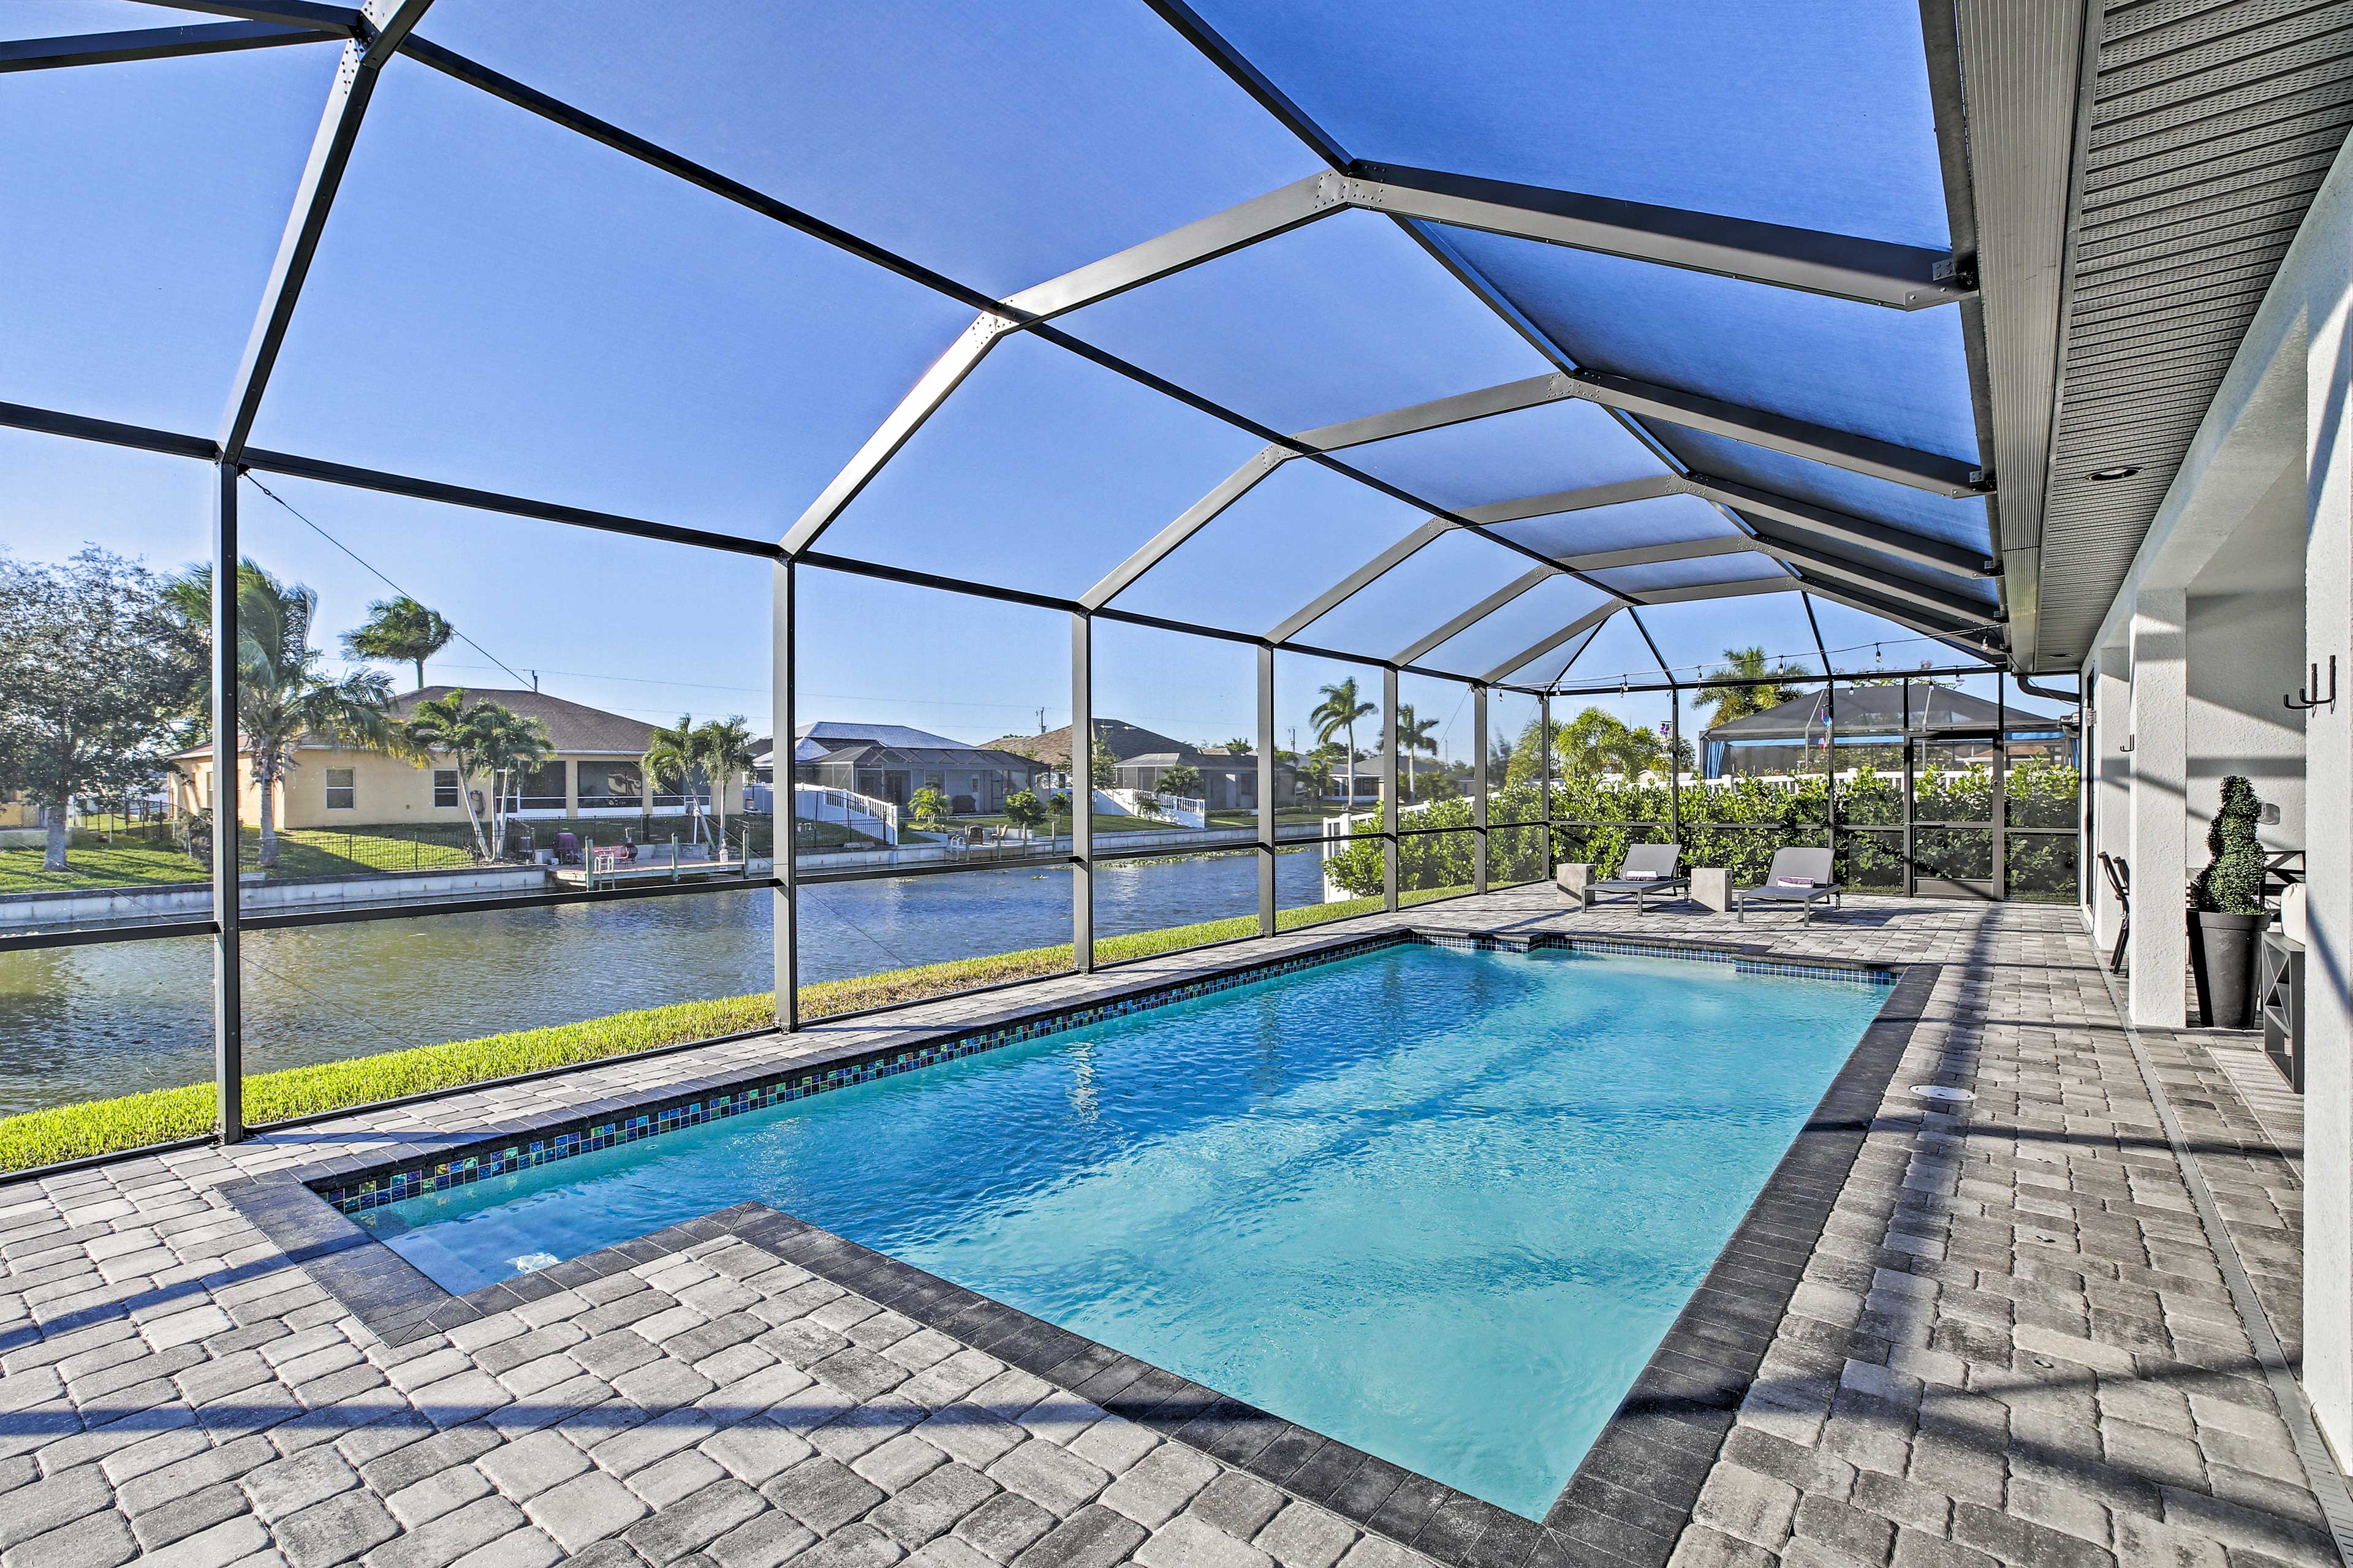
x=1738, y=823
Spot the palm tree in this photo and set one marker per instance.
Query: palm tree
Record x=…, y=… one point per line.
x=282, y=695
x=671, y=757
x=1414, y=734
x=506, y=745
x=397, y=629
x=1745, y=664
x=724, y=746
x=1337, y=714
x=1597, y=742
x=450, y=723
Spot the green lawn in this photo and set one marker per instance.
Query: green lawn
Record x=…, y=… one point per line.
x=138, y=862
x=106, y=1126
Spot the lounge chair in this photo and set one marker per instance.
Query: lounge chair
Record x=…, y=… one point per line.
x=1649, y=869
x=1800, y=877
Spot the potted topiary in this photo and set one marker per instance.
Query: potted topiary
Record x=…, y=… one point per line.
x=2230, y=898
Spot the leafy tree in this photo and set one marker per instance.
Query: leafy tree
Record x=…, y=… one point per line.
x=1184, y=780
x=399, y=629
x=1337, y=714
x=1102, y=765
x=1060, y=805
x=1727, y=701
x=671, y=757
x=1023, y=810
x=91, y=673
x=1414, y=735
x=1315, y=773
x=929, y=807
x=1242, y=746
x=725, y=746
x=283, y=694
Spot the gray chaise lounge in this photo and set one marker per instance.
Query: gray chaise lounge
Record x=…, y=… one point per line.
x=1649, y=869
x=1800, y=877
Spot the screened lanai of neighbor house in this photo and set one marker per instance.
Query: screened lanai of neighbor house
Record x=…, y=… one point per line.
x=1498, y=784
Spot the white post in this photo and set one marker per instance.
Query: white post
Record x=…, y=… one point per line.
x=2110, y=773
x=2160, y=810
x=2329, y=843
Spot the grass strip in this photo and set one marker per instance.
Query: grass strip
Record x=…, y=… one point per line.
x=38, y=1138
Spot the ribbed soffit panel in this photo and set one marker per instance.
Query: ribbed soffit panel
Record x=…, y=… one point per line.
x=2023, y=65
x=2210, y=125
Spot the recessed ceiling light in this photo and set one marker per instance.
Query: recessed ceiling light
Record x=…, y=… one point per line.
x=2121, y=471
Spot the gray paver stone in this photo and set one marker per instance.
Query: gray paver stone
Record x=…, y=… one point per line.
x=1190, y=1540
x=232, y=1541
x=931, y=1506
x=1049, y=1475
x=529, y=1466
x=335, y=1530
x=693, y=1523
x=1004, y=1526
x=1094, y=1537
x=93, y=1540
x=448, y=1536
x=821, y=1493
x=899, y=1463
x=762, y=1542
x=1237, y=1504
x=1306, y=1536
x=584, y=1509
x=1159, y=1486
x=292, y=1485
x=858, y=1546
x=681, y=1475
x=757, y=1450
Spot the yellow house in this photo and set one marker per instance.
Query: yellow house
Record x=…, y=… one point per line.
x=595, y=772
x=18, y=810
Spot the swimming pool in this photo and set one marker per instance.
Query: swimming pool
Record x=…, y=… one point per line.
x=1436, y=1203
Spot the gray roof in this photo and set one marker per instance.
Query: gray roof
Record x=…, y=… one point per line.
x=571, y=726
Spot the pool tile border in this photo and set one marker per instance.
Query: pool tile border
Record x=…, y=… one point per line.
x=356, y=1194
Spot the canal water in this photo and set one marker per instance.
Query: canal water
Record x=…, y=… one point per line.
x=91, y=1022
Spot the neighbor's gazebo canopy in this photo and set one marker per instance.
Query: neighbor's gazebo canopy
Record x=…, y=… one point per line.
x=1433, y=333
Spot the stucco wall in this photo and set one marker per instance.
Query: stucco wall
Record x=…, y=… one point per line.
x=2245, y=650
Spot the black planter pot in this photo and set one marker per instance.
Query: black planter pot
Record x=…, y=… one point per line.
x=2230, y=946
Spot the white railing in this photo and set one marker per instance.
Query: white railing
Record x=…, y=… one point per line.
x=1177, y=810
x=859, y=813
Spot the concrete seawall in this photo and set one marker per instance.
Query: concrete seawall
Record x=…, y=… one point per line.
x=193, y=901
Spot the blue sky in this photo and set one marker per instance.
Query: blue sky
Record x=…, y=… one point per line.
x=502, y=304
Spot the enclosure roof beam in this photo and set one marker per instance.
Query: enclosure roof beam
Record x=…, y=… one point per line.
x=150, y=44
x=1877, y=272
x=1428, y=532
x=1961, y=636
x=1536, y=651
x=1871, y=578
x=1262, y=218
x=1843, y=529
x=1332, y=598
x=342, y=21
x=387, y=26
x=1475, y=614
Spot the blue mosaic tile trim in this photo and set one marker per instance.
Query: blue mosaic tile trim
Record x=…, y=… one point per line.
x=1743, y=963
x=376, y=1189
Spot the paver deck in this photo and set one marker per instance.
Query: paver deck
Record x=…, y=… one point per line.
x=2014, y=1341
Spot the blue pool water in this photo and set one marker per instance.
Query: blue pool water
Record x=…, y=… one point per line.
x=1439, y=1204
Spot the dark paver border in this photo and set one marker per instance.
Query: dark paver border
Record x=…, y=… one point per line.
x=1629, y=1501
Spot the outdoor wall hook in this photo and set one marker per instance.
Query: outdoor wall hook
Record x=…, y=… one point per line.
x=2311, y=696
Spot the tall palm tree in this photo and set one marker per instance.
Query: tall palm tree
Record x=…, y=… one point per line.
x=671, y=757
x=282, y=695
x=506, y=745
x=1728, y=702
x=726, y=748
x=1337, y=714
x=450, y=723
x=397, y=629
x=1413, y=735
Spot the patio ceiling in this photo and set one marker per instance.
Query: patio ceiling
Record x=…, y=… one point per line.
x=1805, y=336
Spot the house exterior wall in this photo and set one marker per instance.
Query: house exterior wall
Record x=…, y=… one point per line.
x=386, y=791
